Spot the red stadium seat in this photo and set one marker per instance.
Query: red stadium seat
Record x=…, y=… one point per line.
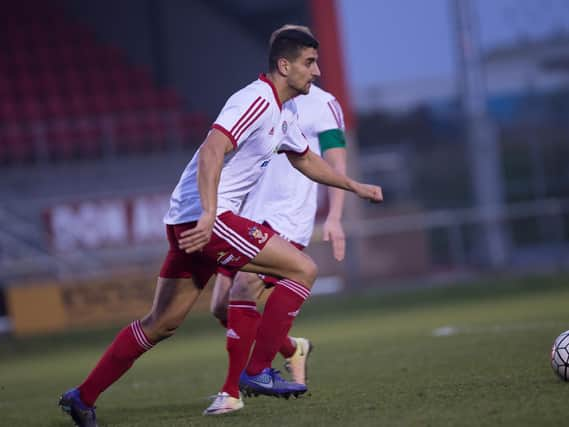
x=61, y=141
x=18, y=144
x=8, y=113
x=6, y=87
x=90, y=134
x=23, y=58
x=156, y=129
x=26, y=86
x=123, y=101
x=169, y=100
x=119, y=78
x=98, y=104
x=47, y=84
x=55, y=107
x=192, y=126
x=31, y=110
x=78, y=105
x=97, y=82
x=141, y=79
x=55, y=75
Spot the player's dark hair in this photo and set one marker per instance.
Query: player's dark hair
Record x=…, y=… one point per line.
x=288, y=44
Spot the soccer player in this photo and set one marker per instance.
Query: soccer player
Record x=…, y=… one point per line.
x=233, y=299
x=203, y=209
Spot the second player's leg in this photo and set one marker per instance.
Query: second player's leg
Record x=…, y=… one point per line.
x=242, y=323
x=220, y=297
x=297, y=272
x=242, y=287
x=246, y=287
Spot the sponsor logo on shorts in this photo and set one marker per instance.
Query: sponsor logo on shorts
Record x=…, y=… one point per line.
x=258, y=235
x=224, y=258
x=284, y=126
x=294, y=313
x=265, y=163
x=272, y=132
x=232, y=334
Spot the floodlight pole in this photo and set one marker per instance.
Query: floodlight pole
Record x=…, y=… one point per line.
x=326, y=26
x=483, y=149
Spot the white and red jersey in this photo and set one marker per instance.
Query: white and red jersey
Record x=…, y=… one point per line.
x=258, y=126
x=285, y=198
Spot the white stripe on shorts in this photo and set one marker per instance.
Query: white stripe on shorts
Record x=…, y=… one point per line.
x=236, y=236
x=223, y=235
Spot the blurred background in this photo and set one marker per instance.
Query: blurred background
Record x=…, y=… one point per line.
x=458, y=108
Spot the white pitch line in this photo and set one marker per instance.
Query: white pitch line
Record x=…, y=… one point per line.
x=450, y=330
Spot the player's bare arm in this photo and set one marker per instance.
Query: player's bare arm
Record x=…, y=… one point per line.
x=332, y=229
x=211, y=156
x=316, y=168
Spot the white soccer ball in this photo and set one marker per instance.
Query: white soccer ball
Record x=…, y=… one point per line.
x=560, y=356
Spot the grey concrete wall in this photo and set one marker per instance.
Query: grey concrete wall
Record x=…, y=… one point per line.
x=186, y=43
x=124, y=23
x=208, y=56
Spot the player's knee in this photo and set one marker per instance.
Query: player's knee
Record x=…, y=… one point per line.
x=159, y=329
x=242, y=293
x=309, y=271
x=245, y=287
x=166, y=331
x=219, y=311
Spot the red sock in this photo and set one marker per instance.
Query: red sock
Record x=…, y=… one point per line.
x=127, y=346
x=282, y=307
x=242, y=323
x=287, y=348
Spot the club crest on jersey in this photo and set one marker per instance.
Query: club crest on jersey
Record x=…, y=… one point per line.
x=258, y=235
x=284, y=126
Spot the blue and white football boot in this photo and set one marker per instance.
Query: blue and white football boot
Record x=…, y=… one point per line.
x=83, y=416
x=269, y=383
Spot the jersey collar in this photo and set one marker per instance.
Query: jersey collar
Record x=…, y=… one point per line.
x=263, y=77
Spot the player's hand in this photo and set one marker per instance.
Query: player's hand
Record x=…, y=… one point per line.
x=196, y=238
x=332, y=231
x=373, y=193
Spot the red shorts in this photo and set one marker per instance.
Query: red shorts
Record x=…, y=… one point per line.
x=270, y=281
x=235, y=241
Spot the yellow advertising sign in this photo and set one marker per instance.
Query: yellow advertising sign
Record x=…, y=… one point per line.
x=51, y=307
x=36, y=309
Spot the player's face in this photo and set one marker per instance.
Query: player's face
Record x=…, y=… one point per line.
x=304, y=70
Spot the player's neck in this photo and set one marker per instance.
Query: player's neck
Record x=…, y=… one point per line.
x=284, y=91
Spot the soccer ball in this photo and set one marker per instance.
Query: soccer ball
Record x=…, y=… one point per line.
x=560, y=356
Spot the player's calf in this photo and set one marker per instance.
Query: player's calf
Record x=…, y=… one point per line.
x=220, y=295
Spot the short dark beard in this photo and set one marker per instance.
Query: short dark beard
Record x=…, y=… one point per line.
x=302, y=91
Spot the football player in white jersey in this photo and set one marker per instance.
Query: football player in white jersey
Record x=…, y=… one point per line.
x=285, y=200
x=203, y=227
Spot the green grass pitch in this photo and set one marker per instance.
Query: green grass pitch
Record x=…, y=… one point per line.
x=467, y=355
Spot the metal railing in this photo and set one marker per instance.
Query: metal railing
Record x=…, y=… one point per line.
x=33, y=262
